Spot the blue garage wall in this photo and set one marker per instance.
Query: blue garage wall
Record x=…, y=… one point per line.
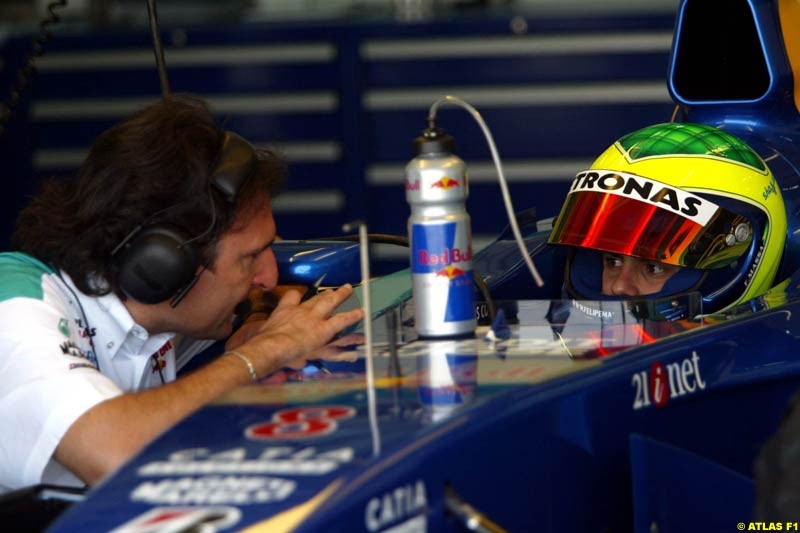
x=344, y=101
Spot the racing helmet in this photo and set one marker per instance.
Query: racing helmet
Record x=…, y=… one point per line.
x=689, y=195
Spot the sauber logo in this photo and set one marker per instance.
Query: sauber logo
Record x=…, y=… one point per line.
x=664, y=382
x=445, y=183
x=691, y=206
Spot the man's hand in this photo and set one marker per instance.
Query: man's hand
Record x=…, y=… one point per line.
x=341, y=349
x=260, y=304
x=295, y=329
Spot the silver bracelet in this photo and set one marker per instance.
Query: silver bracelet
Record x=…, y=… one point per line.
x=250, y=367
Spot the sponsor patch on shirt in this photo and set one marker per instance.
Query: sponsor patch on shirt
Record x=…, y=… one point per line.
x=71, y=349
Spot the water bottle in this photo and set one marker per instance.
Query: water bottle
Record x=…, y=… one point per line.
x=440, y=238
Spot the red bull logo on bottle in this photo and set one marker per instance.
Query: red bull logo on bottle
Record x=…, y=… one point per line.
x=412, y=185
x=448, y=256
x=445, y=183
x=441, y=266
x=451, y=272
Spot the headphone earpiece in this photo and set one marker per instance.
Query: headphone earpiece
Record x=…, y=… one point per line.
x=155, y=262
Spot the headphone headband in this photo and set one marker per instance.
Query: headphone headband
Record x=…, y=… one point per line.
x=234, y=164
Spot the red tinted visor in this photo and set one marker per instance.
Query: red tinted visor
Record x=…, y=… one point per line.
x=628, y=214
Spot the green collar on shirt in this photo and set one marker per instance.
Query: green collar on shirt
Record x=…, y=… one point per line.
x=21, y=276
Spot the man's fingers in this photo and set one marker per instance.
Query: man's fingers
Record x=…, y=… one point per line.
x=332, y=353
x=349, y=340
x=340, y=321
x=290, y=297
x=327, y=301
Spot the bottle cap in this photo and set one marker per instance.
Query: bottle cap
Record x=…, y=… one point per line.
x=434, y=140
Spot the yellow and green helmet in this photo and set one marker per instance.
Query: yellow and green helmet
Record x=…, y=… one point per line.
x=689, y=195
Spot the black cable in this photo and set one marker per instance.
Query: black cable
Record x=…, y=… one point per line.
x=484, y=290
x=27, y=71
x=157, y=49
x=379, y=238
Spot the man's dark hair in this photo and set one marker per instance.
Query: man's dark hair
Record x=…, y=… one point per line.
x=157, y=162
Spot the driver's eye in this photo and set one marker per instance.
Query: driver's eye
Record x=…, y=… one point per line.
x=612, y=261
x=655, y=268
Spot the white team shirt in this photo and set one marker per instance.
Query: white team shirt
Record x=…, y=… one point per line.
x=61, y=353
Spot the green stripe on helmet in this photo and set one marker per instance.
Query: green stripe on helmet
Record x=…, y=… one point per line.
x=676, y=138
